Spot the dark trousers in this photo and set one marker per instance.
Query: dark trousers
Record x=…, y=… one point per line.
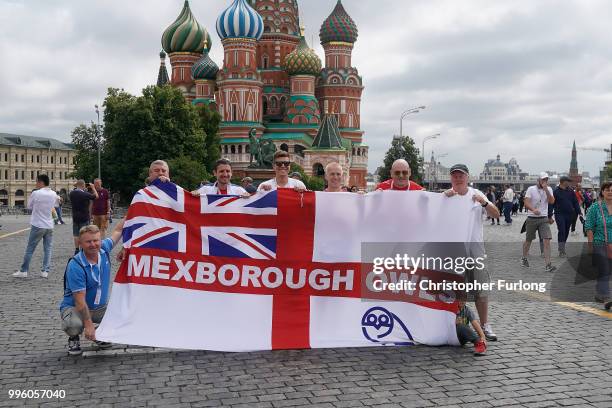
x=466, y=334
x=508, y=212
x=573, y=220
x=564, y=221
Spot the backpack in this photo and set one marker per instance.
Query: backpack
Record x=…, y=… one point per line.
x=68, y=292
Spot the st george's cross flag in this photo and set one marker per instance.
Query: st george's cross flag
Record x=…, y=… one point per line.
x=279, y=270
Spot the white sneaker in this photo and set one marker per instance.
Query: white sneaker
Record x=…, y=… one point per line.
x=20, y=274
x=488, y=332
x=44, y=274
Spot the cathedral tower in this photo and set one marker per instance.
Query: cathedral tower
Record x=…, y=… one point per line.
x=340, y=86
x=239, y=83
x=184, y=41
x=281, y=36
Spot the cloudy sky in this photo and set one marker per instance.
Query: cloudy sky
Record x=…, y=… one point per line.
x=517, y=78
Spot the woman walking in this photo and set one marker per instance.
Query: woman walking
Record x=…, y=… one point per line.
x=599, y=234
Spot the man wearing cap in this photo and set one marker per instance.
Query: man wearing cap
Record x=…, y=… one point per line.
x=537, y=199
x=400, y=178
x=460, y=190
x=566, y=209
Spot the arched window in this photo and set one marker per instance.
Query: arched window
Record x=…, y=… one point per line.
x=318, y=170
x=284, y=147
x=239, y=149
x=225, y=149
x=265, y=60
x=233, y=149
x=265, y=106
x=19, y=193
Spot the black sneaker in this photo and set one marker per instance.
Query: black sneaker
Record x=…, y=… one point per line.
x=550, y=268
x=524, y=263
x=103, y=345
x=74, y=346
x=562, y=254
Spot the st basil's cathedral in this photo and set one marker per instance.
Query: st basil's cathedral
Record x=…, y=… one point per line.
x=273, y=85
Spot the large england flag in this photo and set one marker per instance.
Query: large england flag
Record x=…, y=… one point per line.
x=279, y=270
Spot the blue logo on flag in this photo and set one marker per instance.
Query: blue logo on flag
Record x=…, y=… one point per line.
x=378, y=323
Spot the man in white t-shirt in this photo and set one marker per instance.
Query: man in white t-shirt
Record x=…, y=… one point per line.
x=282, y=163
x=41, y=202
x=223, y=185
x=460, y=175
x=537, y=199
x=508, y=200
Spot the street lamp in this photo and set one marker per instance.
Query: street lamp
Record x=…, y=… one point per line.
x=406, y=113
x=99, y=142
x=435, y=171
x=423, y=151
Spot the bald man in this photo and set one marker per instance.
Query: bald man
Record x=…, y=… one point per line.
x=333, y=176
x=400, y=178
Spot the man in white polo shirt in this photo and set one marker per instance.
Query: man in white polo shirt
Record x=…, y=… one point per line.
x=223, y=185
x=41, y=202
x=537, y=199
x=282, y=163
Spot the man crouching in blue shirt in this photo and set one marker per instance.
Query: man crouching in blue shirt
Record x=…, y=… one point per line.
x=86, y=286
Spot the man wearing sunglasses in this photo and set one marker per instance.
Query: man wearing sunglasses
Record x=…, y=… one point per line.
x=400, y=178
x=282, y=163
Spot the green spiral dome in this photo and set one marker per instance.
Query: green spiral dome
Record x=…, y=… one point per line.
x=303, y=61
x=185, y=34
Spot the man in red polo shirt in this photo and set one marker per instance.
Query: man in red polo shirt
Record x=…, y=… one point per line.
x=400, y=178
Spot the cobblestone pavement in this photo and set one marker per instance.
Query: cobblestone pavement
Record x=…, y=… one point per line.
x=549, y=354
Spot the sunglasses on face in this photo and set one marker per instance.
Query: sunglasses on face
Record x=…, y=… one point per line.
x=404, y=173
x=282, y=164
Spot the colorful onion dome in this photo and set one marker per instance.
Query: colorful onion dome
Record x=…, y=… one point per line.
x=240, y=20
x=303, y=60
x=339, y=26
x=204, y=68
x=185, y=34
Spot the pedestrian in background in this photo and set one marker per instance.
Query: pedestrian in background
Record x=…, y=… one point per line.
x=598, y=225
x=41, y=202
x=81, y=198
x=566, y=209
x=101, y=207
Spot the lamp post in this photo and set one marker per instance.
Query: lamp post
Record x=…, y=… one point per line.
x=423, y=151
x=407, y=112
x=435, y=170
x=99, y=142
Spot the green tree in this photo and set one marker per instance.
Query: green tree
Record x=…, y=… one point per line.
x=187, y=172
x=85, y=140
x=160, y=124
x=402, y=148
x=312, y=183
x=209, y=122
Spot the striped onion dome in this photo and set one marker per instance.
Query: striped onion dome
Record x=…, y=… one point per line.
x=185, y=34
x=240, y=20
x=303, y=60
x=339, y=26
x=204, y=68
